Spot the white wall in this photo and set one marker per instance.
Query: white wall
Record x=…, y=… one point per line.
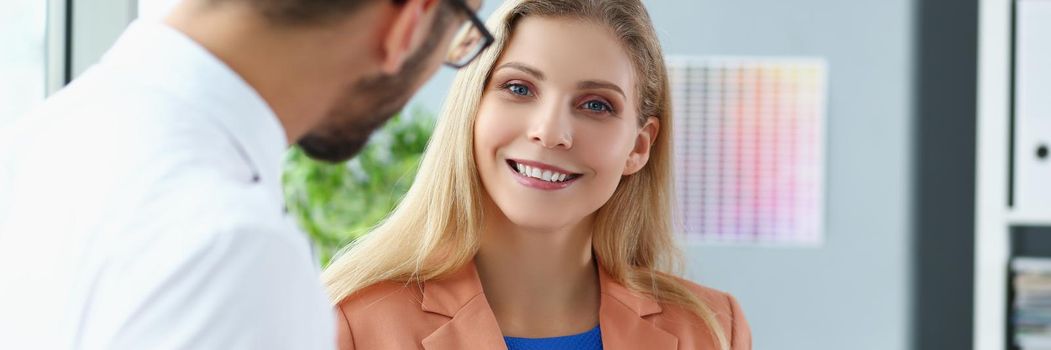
x=23, y=25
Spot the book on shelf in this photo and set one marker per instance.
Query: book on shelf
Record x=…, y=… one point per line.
x=1031, y=264
x=1033, y=342
x=1031, y=310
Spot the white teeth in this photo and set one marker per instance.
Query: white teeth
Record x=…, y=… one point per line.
x=545, y=175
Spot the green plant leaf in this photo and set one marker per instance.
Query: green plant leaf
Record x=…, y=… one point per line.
x=337, y=203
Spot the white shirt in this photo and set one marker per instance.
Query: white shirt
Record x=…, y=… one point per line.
x=141, y=208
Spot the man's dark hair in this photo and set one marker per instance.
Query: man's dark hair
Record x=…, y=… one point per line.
x=308, y=12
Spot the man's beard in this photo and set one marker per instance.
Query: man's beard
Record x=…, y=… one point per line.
x=367, y=106
x=345, y=132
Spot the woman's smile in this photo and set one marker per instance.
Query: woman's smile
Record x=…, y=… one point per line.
x=541, y=176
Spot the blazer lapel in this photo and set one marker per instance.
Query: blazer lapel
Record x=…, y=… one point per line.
x=472, y=324
x=622, y=319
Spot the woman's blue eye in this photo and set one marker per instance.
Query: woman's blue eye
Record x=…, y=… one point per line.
x=518, y=89
x=596, y=106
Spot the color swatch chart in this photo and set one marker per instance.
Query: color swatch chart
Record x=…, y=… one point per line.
x=750, y=148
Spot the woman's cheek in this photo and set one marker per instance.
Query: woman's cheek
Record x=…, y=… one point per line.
x=606, y=148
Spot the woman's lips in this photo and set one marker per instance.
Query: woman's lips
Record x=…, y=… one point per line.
x=537, y=183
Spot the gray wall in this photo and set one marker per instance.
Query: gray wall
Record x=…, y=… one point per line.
x=96, y=26
x=855, y=291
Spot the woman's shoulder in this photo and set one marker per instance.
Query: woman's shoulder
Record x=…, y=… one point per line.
x=386, y=315
x=724, y=306
x=719, y=301
x=387, y=296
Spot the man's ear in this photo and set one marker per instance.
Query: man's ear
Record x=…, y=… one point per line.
x=409, y=27
x=640, y=153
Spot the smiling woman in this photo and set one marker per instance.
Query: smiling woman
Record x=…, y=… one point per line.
x=540, y=216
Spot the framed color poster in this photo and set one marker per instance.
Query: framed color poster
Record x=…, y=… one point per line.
x=750, y=148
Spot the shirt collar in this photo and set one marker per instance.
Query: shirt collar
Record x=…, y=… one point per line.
x=161, y=57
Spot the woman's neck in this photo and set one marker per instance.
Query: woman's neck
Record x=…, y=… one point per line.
x=539, y=283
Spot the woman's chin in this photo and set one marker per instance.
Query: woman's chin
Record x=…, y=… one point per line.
x=539, y=220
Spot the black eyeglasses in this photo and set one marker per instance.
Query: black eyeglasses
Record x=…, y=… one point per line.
x=470, y=40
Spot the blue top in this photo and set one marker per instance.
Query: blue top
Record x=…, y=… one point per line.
x=590, y=340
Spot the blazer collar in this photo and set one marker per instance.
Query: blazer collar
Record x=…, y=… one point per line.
x=447, y=296
x=622, y=318
x=472, y=324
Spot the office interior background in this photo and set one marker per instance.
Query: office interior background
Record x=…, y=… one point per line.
x=923, y=208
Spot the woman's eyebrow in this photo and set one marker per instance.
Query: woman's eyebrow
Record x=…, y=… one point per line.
x=597, y=84
x=522, y=67
x=587, y=84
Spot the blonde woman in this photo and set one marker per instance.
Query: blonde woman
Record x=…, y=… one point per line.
x=540, y=217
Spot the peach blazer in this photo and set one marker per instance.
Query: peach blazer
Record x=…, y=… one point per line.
x=453, y=314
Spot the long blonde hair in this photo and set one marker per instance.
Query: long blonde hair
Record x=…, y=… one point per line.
x=435, y=229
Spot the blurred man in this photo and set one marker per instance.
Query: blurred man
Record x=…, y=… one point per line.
x=141, y=207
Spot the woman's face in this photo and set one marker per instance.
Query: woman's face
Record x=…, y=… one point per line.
x=558, y=126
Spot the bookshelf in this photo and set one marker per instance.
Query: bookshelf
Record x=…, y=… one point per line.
x=1002, y=229
x=1021, y=218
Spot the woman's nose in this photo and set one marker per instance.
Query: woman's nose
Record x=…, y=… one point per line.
x=552, y=128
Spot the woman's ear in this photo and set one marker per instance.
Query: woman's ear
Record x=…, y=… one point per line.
x=407, y=29
x=640, y=153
